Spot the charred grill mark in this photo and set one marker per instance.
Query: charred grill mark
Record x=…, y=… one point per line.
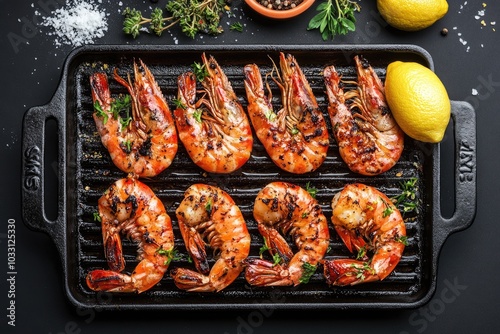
x=145, y=149
x=132, y=200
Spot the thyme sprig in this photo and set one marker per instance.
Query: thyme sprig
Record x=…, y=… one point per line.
x=407, y=200
x=335, y=17
x=193, y=16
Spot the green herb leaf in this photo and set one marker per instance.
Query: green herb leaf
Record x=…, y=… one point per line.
x=200, y=71
x=197, y=115
x=171, y=254
x=132, y=22
x=236, y=26
x=120, y=108
x=361, y=253
x=277, y=259
x=311, y=190
x=388, y=209
x=407, y=200
x=126, y=146
x=270, y=115
x=334, y=17
x=178, y=104
x=309, y=270
x=97, y=217
x=402, y=239
x=100, y=113
x=263, y=249
x=361, y=270
x=208, y=206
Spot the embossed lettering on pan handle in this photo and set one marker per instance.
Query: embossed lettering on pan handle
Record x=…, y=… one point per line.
x=464, y=118
x=32, y=179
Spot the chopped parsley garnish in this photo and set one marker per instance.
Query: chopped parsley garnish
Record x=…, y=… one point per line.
x=97, y=217
x=171, y=254
x=100, y=113
x=197, y=115
x=200, y=71
x=311, y=190
x=309, y=270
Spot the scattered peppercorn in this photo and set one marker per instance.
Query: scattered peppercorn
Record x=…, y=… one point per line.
x=444, y=32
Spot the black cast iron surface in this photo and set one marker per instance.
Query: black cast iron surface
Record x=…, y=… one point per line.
x=467, y=290
x=86, y=171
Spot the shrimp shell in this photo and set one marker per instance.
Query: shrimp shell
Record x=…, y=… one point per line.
x=288, y=208
x=215, y=129
x=148, y=144
x=208, y=213
x=296, y=136
x=130, y=207
x=369, y=139
x=367, y=222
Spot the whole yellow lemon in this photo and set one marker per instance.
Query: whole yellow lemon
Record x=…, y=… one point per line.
x=418, y=100
x=412, y=15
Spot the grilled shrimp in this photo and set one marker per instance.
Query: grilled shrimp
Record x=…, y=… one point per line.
x=130, y=207
x=145, y=143
x=368, y=137
x=292, y=210
x=296, y=136
x=208, y=213
x=367, y=222
x=215, y=129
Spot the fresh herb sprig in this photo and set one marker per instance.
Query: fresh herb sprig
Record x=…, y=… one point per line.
x=193, y=16
x=134, y=20
x=311, y=190
x=196, y=16
x=407, y=200
x=335, y=17
x=309, y=270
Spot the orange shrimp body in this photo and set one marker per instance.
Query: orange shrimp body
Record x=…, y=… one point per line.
x=296, y=136
x=292, y=210
x=367, y=222
x=208, y=213
x=130, y=207
x=146, y=145
x=369, y=139
x=215, y=129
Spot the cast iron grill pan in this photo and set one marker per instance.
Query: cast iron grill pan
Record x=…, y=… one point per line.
x=90, y=171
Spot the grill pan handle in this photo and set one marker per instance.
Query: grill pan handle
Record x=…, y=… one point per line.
x=33, y=183
x=464, y=118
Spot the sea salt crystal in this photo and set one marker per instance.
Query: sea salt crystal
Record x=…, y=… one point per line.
x=474, y=92
x=79, y=23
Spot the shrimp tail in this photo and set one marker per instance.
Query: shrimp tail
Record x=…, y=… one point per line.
x=114, y=253
x=352, y=242
x=254, y=85
x=276, y=243
x=100, y=89
x=196, y=248
x=342, y=272
x=110, y=281
x=264, y=273
x=190, y=280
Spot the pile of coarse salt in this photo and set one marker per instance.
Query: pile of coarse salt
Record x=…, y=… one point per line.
x=78, y=23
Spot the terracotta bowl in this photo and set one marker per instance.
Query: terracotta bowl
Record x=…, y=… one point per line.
x=279, y=14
